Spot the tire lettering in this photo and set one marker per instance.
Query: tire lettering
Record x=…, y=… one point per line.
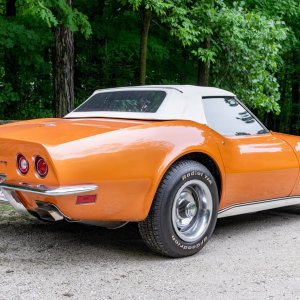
x=197, y=173
x=208, y=179
x=184, y=247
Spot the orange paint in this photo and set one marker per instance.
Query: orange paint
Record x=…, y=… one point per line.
x=127, y=159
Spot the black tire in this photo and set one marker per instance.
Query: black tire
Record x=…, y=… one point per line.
x=184, y=211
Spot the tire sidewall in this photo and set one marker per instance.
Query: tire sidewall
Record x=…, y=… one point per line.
x=174, y=243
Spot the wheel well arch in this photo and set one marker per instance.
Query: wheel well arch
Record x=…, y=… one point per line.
x=209, y=163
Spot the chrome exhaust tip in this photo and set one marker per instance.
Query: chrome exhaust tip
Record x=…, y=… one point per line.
x=47, y=212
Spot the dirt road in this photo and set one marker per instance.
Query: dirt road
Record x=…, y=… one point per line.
x=249, y=257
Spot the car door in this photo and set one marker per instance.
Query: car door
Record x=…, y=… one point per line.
x=258, y=164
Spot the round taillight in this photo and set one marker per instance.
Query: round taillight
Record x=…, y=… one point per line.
x=41, y=166
x=22, y=164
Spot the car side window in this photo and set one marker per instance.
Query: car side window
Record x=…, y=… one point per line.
x=229, y=118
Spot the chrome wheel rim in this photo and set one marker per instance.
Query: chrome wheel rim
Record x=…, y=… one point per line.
x=192, y=210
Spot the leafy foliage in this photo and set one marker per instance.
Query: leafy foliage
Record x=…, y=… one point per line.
x=55, y=12
x=252, y=48
x=26, y=49
x=288, y=74
x=29, y=89
x=248, y=55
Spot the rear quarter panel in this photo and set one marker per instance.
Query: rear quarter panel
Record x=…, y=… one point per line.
x=128, y=165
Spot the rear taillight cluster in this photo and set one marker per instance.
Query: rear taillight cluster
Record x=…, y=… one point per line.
x=41, y=167
x=23, y=164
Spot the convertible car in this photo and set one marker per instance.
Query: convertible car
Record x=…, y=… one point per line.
x=171, y=158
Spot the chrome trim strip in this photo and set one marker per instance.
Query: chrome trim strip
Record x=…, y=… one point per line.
x=46, y=191
x=251, y=207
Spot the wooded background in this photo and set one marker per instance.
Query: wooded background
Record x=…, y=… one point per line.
x=55, y=53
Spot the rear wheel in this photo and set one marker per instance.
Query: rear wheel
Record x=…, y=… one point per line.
x=184, y=211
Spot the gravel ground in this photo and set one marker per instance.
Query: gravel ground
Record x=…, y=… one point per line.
x=254, y=256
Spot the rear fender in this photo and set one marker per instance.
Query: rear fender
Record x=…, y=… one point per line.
x=127, y=165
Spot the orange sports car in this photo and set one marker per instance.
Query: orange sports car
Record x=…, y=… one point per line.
x=172, y=158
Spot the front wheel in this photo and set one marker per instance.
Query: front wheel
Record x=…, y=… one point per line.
x=184, y=211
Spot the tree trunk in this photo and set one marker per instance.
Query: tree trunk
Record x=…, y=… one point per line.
x=146, y=16
x=64, y=70
x=203, y=68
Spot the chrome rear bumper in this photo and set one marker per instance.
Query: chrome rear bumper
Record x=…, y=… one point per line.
x=50, y=191
x=41, y=189
x=9, y=195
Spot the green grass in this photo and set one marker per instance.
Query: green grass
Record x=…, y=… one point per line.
x=6, y=208
x=8, y=213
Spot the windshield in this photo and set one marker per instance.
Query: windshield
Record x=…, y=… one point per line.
x=124, y=101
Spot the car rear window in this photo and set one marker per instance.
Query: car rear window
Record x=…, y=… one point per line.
x=124, y=101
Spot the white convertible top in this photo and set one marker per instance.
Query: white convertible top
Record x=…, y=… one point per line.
x=182, y=102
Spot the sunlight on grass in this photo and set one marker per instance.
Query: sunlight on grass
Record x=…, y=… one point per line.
x=4, y=207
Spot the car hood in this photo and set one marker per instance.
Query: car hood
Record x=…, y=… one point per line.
x=59, y=131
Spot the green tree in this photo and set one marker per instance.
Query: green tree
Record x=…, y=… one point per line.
x=289, y=73
x=65, y=20
x=28, y=46
x=249, y=47
x=172, y=13
x=25, y=88
x=242, y=47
